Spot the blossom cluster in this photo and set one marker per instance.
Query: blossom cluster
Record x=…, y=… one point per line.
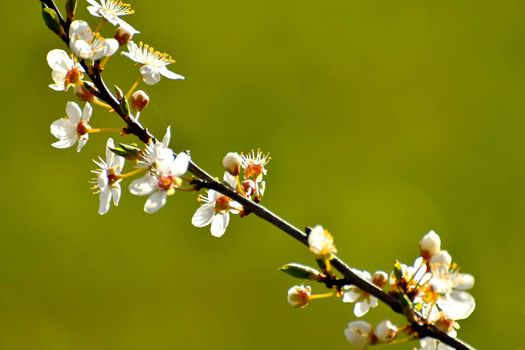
x=432, y=291
x=161, y=169
x=245, y=175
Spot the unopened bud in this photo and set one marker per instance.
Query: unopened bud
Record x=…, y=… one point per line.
x=380, y=278
x=359, y=334
x=122, y=36
x=299, y=296
x=52, y=20
x=429, y=245
x=386, y=331
x=139, y=100
x=232, y=163
x=442, y=258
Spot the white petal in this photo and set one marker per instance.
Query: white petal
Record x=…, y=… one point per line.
x=203, y=215
x=169, y=74
x=64, y=143
x=150, y=75
x=63, y=128
x=80, y=30
x=143, y=186
x=126, y=26
x=93, y=10
x=219, y=224
x=105, y=201
x=463, y=281
x=458, y=305
x=155, y=202
x=180, y=164
x=230, y=180
x=116, y=191
x=82, y=142
x=73, y=112
x=361, y=308
x=58, y=60
x=352, y=295
x=167, y=137
x=109, y=154
x=86, y=113
x=111, y=47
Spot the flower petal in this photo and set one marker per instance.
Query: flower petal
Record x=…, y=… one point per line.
x=203, y=215
x=104, y=201
x=143, y=186
x=156, y=201
x=180, y=164
x=150, y=75
x=169, y=74
x=458, y=305
x=73, y=112
x=219, y=224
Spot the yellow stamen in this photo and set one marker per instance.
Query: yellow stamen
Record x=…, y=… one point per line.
x=133, y=87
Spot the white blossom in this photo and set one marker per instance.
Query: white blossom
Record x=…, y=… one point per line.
x=153, y=63
x=321, y=242
x=363, y=300
x=72, y=128
x=430, y=245
x=107, y=181
x=88, y=45
x=451, y=286
x=111, y=10
x=216, y=209
x=433, y=344
x=359, y=334
x=386, y=331
x=65, y=71
x=232, y=163
x=254, y=164
x=299, y=296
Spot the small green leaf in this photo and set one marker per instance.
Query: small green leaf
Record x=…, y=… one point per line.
x=302, y=272
x=129, y=152
x=52, y=20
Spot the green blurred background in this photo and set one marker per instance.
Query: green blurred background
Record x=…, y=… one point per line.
x=385, y=119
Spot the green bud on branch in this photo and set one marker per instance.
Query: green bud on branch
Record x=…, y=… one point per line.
x=302, y=272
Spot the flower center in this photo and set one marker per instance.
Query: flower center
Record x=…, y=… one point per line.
x=253, y=171
x=82, y=128
x=73, y=76
x=113, y=176
x=165, y=182
x=222, y=204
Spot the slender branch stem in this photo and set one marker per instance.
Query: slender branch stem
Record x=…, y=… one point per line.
x=205, y=180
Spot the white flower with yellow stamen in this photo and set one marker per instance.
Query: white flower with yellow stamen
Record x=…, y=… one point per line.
x=451, y=287
x=253, y=164
x=111, y=10
x=66, y=72
x=107, y=181
x=72, y=128
x=153, y=63
x=87, y=45
x=363, y=300
x=321, y=242
x=161, y=181
x=216, y=209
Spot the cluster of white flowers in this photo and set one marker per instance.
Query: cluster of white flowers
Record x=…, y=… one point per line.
x=161, y=168
x=434, y=289
x=216, y=207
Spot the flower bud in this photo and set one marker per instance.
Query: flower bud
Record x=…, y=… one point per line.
x=321, y=242
x=430, y=245
x=442, y=258
x=380, y=278
x=232, y=163
x=386, y=331
x=139, y=100
x=122, y=36
x=299, y=296
x=359, y=334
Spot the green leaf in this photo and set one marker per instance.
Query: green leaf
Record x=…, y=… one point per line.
x=302, y=272
x=398, y=271
x=52, y=20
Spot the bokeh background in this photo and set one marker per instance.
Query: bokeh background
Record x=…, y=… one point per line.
x=385, y=119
